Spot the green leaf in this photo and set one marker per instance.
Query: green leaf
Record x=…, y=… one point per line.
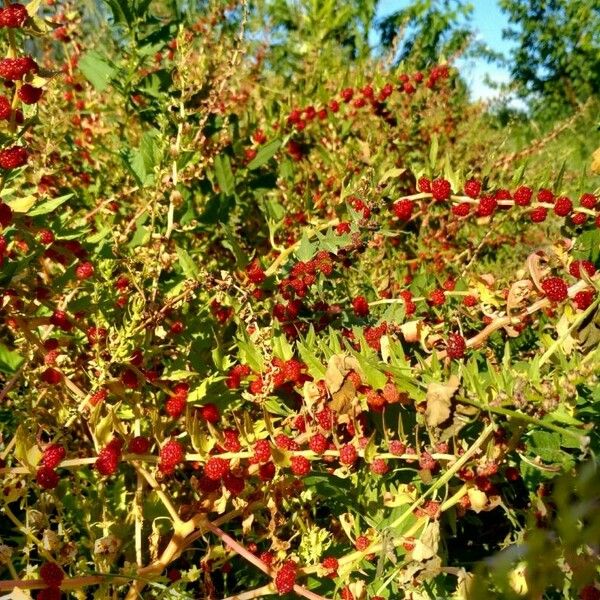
x=47, y=207
x=265, y=154
x=224, y=174
x=250, y=353
x=97, y=70
x=315, y=367
x=10, y=360
x=231, y=243
x=188, y=266
x=307, y=249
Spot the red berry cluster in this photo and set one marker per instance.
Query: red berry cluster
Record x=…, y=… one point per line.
x=487, y=204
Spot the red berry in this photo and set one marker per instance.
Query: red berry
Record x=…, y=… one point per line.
x=108, y=459
x=331, y=563
x=456, y=346
x=266, y=472
x=49, y=593
x=487, y=206
x=262, y=451
x=580, y=218
x=255, y=272
x=360, y=306
x=52, y=574
x=231, y=441
x=362, y=542
x=53, y=455
x=546, y=196
x=51, y=376
x=588, y=201
x=555, y=289
x=348, y=454
x=98, y=396
x=379, y=466
x=318, y=443
x=29, y=94
x=46, y=237
x=539, y=214
x=461, y=210
x=285, y=579
x=216, y=468
x=563, y=206
x=403, y=209
x=47, y=478
x=397, y=448
x=586, y=265
x=139, y=445
x=13, y=157
x=325, y=418
x=84, y=270
x=175, y=406
x=300, y=466
x=523, y=195
x=13, y=16
x=437, y=298
x=473, y=188
x=5, y=108
x=171, y=454
x=234, y=485
x=424, y=185
x=14, y=69
x=584, y=299
x=441, y=189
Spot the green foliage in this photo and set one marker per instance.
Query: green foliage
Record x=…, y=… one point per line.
x=556, y=61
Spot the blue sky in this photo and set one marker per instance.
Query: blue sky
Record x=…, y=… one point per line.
x=488, y=23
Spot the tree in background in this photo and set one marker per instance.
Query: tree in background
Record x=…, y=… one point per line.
x=556, y=62
x=427, y=29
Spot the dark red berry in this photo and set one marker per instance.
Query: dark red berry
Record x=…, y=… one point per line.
x=348, y=454
x=300, y=466
x=456, y=346
x=285, y=579
x=523, y=195
x=403, y=209
x=47, y=478
x=441, y=189
x=555, y=289
x=360, y=306
x=29, y=94
x=13, y=16
x=13, y=157
x=53, y=455
x=473, y=188
x=139, y=445
x=14, y=69
x=84, y=270
x=216, y=468
x=5, y=108
x=171, y=455
x=563, y=206
x=52, y=574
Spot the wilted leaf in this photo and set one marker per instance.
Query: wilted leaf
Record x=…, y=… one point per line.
x=439, y=396
x=338, y=367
